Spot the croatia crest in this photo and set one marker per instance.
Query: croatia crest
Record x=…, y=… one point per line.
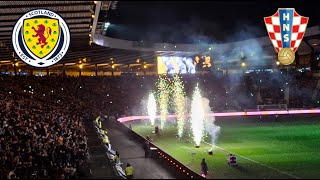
x=286, y=29
x=41, y=38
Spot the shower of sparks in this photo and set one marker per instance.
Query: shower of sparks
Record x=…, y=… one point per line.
x=152, y=108
x=197, y=116
x=163, y=99
x=179, y=103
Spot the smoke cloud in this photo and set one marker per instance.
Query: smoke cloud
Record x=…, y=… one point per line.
x=211, y=128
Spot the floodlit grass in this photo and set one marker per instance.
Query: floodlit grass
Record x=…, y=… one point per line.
x=282, y=150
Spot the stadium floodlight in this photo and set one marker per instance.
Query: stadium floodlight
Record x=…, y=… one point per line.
x=114, y=5
x=105, y=27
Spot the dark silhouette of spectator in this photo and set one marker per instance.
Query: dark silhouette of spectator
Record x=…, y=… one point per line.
x=204, y=168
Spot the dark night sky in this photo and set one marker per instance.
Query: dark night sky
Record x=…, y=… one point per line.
x=209, y=21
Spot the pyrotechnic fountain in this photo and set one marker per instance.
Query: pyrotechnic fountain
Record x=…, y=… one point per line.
x=209, y=123
x=197, y=116
x=179, y=103
x=152, y=108
x=163, y=99
x=199, y=123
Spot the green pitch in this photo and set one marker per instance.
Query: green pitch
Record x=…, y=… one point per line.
x=273, y=150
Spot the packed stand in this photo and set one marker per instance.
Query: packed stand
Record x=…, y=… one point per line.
x=42, y=135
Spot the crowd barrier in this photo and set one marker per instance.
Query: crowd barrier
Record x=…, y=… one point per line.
x=171, y=164
x=110, y=154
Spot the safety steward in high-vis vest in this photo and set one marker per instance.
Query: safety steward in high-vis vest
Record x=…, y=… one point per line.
x=105, y=139
x=129, y=171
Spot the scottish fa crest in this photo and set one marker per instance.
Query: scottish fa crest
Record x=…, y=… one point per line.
x=41, y=38
x=286, y=29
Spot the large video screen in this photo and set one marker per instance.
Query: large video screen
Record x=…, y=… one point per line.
x=175, y=65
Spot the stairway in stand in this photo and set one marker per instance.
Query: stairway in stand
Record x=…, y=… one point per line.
x=97, y=160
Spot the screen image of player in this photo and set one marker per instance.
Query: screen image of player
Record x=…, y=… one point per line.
x=175, y=65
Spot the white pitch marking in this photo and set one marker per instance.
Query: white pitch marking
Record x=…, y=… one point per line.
x=291, y=175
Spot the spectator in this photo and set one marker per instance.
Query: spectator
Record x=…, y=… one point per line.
x=129, y=171
x=117, y=158
x=204, y=168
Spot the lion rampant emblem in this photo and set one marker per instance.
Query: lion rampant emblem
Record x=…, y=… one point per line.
x=41, y=34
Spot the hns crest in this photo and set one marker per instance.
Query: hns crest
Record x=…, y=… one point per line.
x=41, y=38
x=286, y=29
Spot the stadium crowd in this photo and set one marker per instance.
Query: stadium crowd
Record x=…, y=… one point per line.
x=40, y=136
x=42, y=133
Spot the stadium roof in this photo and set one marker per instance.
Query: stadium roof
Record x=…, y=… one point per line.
x=78, y=15
x=214, y=21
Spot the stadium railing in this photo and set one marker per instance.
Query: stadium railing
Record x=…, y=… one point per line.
x=170, y=163
x=110, y=155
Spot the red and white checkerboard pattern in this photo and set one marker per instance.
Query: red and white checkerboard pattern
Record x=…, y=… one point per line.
x=299, y=25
